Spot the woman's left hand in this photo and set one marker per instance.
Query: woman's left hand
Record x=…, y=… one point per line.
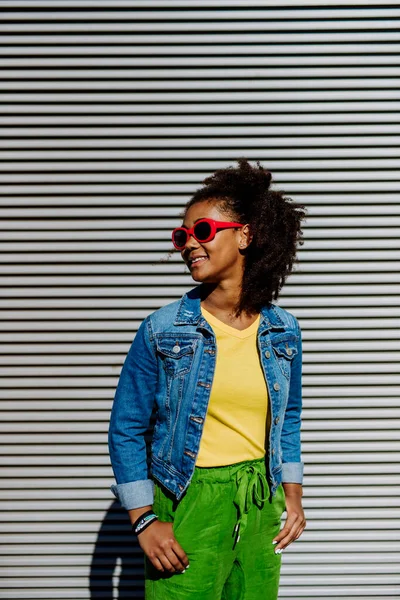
x=295, y=521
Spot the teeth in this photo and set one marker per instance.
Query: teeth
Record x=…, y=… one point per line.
x=199, y=258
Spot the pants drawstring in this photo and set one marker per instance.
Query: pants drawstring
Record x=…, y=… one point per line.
x=252, y=484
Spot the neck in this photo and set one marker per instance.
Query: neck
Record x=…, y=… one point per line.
x=219, y=296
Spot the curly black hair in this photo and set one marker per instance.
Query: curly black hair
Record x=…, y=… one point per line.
x=244, y=195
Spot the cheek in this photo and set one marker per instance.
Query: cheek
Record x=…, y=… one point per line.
x=222, y=251
x=226, y=257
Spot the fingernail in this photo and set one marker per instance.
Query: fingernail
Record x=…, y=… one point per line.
x=275, y=542
x=278, y=551
x=188, y=566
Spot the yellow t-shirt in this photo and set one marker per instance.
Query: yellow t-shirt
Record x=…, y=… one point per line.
x=235, y=425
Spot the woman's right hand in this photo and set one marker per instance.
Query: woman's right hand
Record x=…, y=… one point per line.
x=159, y=544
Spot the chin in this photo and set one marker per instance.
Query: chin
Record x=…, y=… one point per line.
x=204, y=279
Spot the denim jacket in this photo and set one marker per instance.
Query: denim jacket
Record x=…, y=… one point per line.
x=170, y=367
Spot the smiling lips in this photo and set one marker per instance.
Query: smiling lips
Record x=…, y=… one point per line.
x=197, y=260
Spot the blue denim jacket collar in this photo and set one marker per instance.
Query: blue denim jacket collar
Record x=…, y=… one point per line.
x=189, y=313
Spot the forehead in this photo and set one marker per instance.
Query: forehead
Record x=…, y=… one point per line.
x=205, y=209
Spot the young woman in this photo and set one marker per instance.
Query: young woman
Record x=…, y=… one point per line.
x=222, y=366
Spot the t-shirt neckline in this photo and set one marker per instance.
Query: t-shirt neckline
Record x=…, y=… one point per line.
x=240, y=333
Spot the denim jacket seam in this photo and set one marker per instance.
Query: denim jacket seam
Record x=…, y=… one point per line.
x=150, y=333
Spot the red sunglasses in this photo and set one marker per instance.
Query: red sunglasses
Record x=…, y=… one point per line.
x=203, y=231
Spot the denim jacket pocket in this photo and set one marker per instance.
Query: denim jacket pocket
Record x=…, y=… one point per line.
x=176, y=354
x=285, y=351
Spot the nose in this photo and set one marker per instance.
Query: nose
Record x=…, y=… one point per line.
x=191, y=242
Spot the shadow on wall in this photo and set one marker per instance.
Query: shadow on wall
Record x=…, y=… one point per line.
x=117, y=559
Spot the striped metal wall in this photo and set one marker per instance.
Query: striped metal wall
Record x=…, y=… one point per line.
x=112, y=114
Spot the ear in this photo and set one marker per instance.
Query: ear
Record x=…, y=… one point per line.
x=246, y=237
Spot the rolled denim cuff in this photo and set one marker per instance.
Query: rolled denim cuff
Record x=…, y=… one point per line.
x=134, y=494
x=292, y=472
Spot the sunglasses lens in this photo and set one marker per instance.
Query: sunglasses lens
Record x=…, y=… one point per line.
x=180, y=237
x=202, y=231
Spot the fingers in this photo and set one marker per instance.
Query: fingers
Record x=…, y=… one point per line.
x=170, y=561
x=167, y=561
x=299, y=532
x=181, y=554
x=165, y=553
x=156, y=563
x=292, y=530
x=174, y=559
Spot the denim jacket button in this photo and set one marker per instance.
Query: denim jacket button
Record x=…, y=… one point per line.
x=276, y=420
x=176, y=349
x=277, y=386
x=273, y=451
x=267, y=353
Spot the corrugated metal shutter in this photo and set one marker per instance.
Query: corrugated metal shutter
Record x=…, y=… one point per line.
x=112, y=114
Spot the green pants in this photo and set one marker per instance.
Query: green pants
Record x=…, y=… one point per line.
x=225, y=522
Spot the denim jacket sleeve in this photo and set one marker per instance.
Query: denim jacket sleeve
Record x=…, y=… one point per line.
x=292, y=466
x=130, y=417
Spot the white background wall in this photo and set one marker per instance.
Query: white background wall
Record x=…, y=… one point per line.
x=112, y=114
